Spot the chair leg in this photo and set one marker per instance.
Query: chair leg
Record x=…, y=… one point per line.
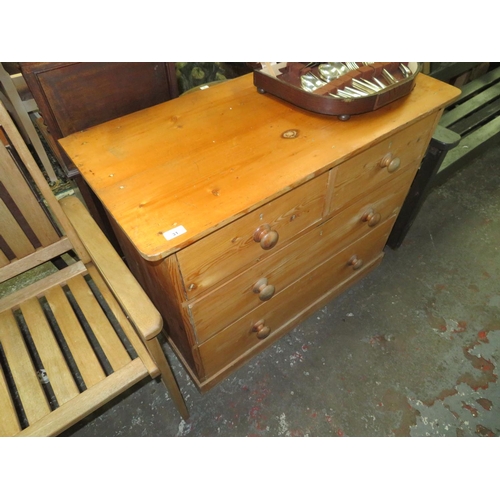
x=167, y=376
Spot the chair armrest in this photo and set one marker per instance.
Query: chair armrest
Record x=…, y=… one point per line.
x=136, y=304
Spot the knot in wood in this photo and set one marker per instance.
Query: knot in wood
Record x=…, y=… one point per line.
x=290, y=134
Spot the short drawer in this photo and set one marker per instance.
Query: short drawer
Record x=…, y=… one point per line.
x=251, y=238
x=388, y=158
x=263, y=281
x=272, y=317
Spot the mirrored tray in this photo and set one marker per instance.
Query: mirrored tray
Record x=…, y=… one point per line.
x=354, y=88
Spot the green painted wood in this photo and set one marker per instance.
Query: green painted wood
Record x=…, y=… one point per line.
x=470, y=106
x=484, y=115
x=478, y=84
x=469, y=147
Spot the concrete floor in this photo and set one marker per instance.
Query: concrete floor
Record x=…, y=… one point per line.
x=412, y=350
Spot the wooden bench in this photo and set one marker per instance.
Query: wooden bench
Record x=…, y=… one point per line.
x=467, y=128
x=475, y=117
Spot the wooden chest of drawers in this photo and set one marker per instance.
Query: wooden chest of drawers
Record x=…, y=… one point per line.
x=241, y=215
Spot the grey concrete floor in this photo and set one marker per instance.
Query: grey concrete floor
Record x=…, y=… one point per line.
x=412, y=350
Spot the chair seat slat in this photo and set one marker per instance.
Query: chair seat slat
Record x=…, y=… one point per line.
x=23, y=371
x=9, y=423
x=98, y=395
x=49, y=351
x=40, y=286
x=36, y=258
x=80, y=348
x=102, y=328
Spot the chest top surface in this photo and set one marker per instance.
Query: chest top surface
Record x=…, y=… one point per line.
x=194, y=164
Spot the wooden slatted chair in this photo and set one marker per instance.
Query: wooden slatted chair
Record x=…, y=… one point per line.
x=77, y=337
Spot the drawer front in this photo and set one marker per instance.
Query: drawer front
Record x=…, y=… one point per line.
x=251, y=238
x=377, y=165
x=271, y=317
x=263, y=282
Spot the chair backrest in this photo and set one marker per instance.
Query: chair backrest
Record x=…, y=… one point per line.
x=29, y=234
x=16, y=97
x=74, y=96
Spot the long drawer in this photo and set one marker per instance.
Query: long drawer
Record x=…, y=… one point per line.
x=270, y=317
x=251, y=238
x=263, y=281
x=378, y=164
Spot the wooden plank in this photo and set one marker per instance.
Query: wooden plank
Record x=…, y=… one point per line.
x=80, y=348
x=3, y=137
x=13, y=234
x=23, y=371
x=34, y=259
x=50, y=354
x=65, y=416
x=470, y=106
x=9, y=423
x=482, y=116
x=39, y=287
x=3, y=261
x=28, y=205
x=102, y=328
x=25, y=122
x=469, y=147
x=477, y=85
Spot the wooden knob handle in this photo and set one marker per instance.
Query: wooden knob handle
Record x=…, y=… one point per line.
x=355, y=262
x=264, y=290
x=266, y=236
x=371, y=217
x=390, y=162
x=261, y=329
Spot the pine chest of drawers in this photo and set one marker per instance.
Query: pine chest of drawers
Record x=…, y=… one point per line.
x=241, y=215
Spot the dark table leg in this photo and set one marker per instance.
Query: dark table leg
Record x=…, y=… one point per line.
x=442, y=141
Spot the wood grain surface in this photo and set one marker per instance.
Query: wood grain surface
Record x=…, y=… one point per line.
x=206, y=158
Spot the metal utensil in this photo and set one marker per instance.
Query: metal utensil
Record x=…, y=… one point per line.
x=330, y=71
x=389, y=77
x=352, y=66
x=405, y=70
x=379, y=83
x=356, y=92
x=310, y=82
x=363, y=86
